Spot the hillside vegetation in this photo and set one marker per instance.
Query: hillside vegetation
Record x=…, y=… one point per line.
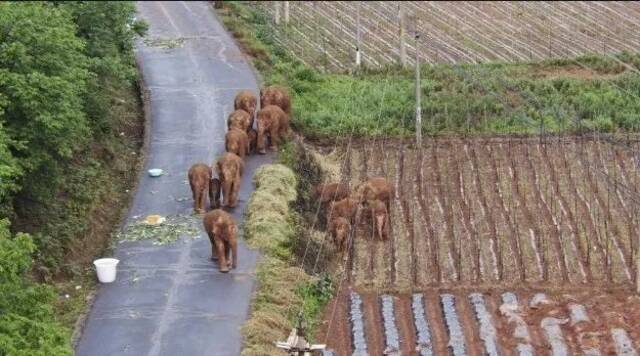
x=568, y=95
x=69, y=112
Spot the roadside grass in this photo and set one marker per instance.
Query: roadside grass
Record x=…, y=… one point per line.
x=557, y=96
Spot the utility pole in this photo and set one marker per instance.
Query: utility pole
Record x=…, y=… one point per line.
x=358, y=55
x=276, y=5
x=418, y=107
x=403, y=51
x=286, y=12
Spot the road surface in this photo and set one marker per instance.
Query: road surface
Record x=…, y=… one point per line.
x=171, y=300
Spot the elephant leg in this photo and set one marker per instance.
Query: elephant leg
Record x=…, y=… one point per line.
x=222, y=259
x=227, y=252
x=274, y=138
x=234, y=251
x=226, y=191
x=201, y=200
x=236, y=189
x=214, y=253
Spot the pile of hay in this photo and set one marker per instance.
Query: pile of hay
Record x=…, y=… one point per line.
x=269, y=225
x=268, y=222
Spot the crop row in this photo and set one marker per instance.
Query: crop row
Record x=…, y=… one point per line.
x=461, y=323
x=457, y=32
x=508, y=211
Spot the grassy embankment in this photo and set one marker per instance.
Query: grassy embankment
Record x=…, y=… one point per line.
x=498, y=98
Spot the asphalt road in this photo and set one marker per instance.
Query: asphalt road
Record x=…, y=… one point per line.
x=171, y=300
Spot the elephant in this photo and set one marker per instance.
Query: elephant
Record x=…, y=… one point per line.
x=380, y=218
x=375, y=188
x=199, y=178
x=272, y=122
x=229, y=168
x=346, y=208
x=214, y=193
x=253, y=140
x=237, y=141
x=326, y=193
x=276, y=95
x=222, y=231
x=247, y=101
x=339, y=229
x=239, y=119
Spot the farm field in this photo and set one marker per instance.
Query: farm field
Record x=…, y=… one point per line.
x=324, y=33
x=483, y=322
x=497, y=215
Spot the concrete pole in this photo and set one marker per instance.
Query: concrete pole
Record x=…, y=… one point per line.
x=418, y=105
x=403, y=51
x=286, y=12
x=358, y=55
x=276, y=5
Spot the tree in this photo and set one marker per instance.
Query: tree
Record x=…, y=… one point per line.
x=27, y=323
x=43, y=76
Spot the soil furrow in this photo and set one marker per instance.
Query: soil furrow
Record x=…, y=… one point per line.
x=435, y=319
x=469, y=325
x=610, y=237
x=336, y=332
x=561, y=254
x=447, y=265
x=373, y=324
x=566, y=215
x=533, y=231
x=614, y=182
x=467, y=224
x=404, y=323
x=448, y=213
x=432, y=238
x=404, y=183
x=486, y=213
x=592, y=243
x=390, y=170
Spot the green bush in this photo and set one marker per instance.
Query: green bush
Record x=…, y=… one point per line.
x=27, y=323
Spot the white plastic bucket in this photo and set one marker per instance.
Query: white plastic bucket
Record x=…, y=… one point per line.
x=106, y=269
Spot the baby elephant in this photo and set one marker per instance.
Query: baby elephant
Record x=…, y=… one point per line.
x=199, y=178
x=326, y=193
x=222, y=231
x=239, y=119
x=253, y=140
x=214, y=193
x=376, y=188
x=229, y=168
x=339, y=228
x=380, y=218
x=345, y=208
x=237, y=141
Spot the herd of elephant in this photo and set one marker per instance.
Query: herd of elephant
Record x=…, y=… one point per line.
x=371, y=198
x=225, y=175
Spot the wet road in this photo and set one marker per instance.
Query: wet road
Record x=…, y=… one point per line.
x=171, y=300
